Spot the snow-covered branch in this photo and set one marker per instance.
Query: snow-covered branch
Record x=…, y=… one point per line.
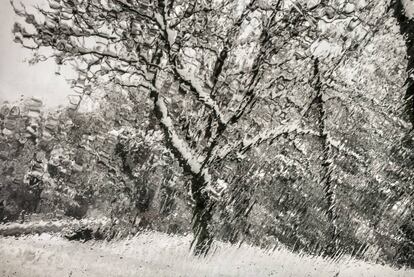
x=241, y=147
x=183, y=76
x=187, y=158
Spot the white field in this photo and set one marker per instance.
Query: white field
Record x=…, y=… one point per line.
x=157, y=254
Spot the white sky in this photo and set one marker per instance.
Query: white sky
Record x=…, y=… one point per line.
x=18, y=77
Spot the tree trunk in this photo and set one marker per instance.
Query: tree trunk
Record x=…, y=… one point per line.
x=407, y=30
x=203, y=203
x=328, y=189
x=202, y=214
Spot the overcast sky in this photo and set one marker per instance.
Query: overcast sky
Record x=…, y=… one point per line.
x=18, y=77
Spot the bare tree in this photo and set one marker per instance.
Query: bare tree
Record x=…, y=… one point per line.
x=186, y=57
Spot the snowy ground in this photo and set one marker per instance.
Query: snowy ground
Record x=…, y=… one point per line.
x=156, y=254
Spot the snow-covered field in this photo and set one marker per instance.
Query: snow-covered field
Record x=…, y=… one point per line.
x=156, y=254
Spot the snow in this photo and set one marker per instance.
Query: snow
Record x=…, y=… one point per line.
x=341, y=147
x=190, y=158
x=178, y=143
x=157, y=254
x=325, y=49
x=203, y=95
x=312, y=3
x=187, y=75
x=172, y=34
x=291, y=127
x=116, y=133
x=287, y=4
x=159, y=19
x=349, y=8
x=409, y=8
x=41, y=226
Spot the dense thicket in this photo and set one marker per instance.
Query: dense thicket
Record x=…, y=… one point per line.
x=64, y=164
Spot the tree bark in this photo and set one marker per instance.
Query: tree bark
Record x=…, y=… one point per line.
x=407, y=30
x=329, y=193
